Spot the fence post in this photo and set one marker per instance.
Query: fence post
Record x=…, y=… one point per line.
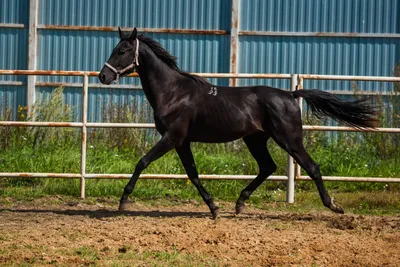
x=234, y=40
x=32, y=54
x=84, y=133
x=290, y=171
x=300, y=101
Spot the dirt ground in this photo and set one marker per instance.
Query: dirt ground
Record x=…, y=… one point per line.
x=45, y=231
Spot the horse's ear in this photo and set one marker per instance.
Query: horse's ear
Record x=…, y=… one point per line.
x=133, y=35
x=121, y=34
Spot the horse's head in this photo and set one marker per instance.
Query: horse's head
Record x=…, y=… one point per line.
x=123, y=59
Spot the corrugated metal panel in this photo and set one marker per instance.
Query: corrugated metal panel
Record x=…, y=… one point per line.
x=198, y=53
x=13, y=51
x=177, y=14
x=361, y=16
x=13, y=55
x=14, y=11
x=71, y=96
x=10, y=98
x=328, y=55
x=107, y=103
x=73, y=50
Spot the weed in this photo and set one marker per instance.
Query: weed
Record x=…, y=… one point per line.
x=88, y=253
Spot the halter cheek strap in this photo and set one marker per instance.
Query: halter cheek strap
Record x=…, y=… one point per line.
x=133, y=65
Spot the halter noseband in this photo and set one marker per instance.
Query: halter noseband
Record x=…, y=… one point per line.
x=134, y=64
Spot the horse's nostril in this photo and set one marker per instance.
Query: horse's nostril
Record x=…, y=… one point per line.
x=102, y=77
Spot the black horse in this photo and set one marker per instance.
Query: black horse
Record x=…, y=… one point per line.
x=188, y=109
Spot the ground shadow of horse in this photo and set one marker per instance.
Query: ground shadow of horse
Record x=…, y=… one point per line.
x=105, y=213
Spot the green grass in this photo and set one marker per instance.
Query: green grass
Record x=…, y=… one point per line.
x=87, y=253
x=335, y=159
x=163, y=258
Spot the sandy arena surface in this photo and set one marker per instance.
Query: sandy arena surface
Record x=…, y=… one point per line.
x=77, y=234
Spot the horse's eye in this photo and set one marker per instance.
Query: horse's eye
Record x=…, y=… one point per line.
x=122, y=50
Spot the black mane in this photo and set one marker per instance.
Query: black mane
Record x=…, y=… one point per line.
x=167, y=58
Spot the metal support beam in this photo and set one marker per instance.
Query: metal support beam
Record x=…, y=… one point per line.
x=299, y=86
x=84, y=134
x=234, y=40
x=321, y=34
x=32, y=53
x=115, y=29
x=290, y=171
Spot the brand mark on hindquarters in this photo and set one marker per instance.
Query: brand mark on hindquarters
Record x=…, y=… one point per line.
x=213, y=91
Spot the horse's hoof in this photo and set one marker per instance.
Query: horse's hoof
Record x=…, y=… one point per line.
x=215, y=213
x=336, y=207
x=239, y=208
x=123, y=206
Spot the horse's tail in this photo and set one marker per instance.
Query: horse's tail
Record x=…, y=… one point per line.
x=357, y=113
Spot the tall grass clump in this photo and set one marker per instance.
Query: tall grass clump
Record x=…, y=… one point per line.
x=138, y=140
x=37, y=149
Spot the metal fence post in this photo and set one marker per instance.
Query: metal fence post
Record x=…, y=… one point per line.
x=84, y=133
x=290, y=171
x=299, y=86
x=32, y=54
x=234, y=39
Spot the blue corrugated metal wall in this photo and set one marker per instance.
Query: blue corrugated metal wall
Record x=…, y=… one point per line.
x=14, y=11
x=13, y=53
x=317, y=55
x=174, y=14
x=60, y=49
x=360, y=16
x=339, y=55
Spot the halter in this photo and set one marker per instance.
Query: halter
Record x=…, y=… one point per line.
x=134, y=64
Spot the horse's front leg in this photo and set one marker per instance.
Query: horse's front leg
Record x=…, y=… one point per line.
x=186, y=156
x=162, y=147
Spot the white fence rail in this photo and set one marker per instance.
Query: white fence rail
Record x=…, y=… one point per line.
x=292, y=171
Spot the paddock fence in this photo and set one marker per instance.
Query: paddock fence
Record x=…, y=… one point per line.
x=292, y=170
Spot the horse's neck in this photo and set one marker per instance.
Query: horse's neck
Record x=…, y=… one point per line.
x=156, y=78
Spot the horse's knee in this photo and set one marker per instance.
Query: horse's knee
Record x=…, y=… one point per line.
x=315, y=172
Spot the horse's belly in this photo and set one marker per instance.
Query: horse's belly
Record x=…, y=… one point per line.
x=212, y=133
x=219, y=122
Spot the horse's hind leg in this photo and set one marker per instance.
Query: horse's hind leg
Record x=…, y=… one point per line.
x=257, y=144
x=289, y=137
x=312, y=168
